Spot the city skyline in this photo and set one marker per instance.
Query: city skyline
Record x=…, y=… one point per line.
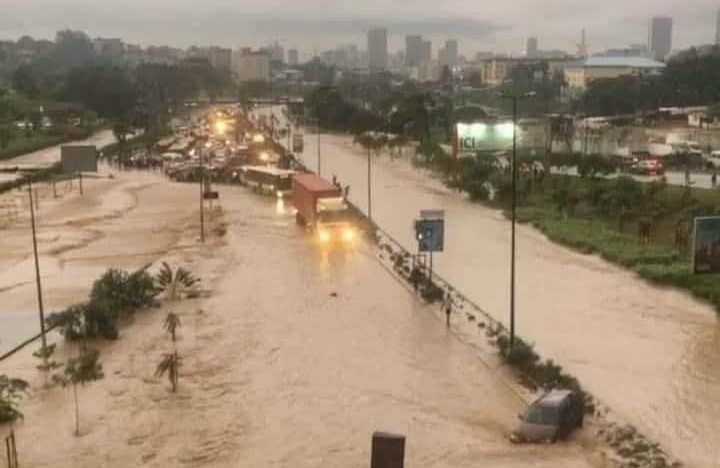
x=312, y=25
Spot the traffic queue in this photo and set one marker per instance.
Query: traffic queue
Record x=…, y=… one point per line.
x=228, y=147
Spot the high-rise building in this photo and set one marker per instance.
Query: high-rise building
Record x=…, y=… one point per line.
x=717, y=28
x=377, y=49
x=426, y=50
x=275, y=51
x=531, y=48
x=448, y=55
x=660, y=37
x=413, y=50
x=251, y=66
x=293, y=57
x=220, y=58
x=452, y=52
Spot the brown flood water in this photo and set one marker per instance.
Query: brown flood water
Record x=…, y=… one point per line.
x=294, y=357
x=651, y=353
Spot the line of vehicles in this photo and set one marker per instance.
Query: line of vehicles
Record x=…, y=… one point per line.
x=230, y=147
x=319, y=204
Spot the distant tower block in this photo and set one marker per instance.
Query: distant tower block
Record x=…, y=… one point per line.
x=388, y=450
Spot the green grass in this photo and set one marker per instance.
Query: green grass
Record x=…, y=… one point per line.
x=22, y=144
x=659, y=263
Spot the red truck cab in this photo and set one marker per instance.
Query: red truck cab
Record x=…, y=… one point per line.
x=321, y=208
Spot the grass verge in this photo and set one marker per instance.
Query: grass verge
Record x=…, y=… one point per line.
x=658, y=263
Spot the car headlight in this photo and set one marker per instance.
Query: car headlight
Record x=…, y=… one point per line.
x=349, y=234
x=324, y=236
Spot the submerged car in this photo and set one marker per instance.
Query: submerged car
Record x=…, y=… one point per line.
x=552, y=417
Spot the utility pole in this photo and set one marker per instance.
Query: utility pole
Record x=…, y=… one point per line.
x=41, y=308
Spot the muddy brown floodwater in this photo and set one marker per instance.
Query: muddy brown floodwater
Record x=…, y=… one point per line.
x=293, y=355
x=651, y=353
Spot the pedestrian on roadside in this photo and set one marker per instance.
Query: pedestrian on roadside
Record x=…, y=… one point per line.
x=447, y=304
x=713, y=179
x=415, y=278
x=347, y=191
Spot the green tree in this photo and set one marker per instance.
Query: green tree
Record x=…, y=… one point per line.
x=174, y=281
x=106, y=89
x=6, y=135
x=397, y=143
x=170, y=365
x=80, y=371
x=47, y=365
x=25, y=80
x=172, y=323
x=11, y=391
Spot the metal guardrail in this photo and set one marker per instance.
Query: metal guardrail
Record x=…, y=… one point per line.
x=394, y=247
x=24, y=344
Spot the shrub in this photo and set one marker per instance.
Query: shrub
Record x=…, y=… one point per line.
x=120, y=293
x=115, y=295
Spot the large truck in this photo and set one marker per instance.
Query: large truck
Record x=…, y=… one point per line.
x=322, y=209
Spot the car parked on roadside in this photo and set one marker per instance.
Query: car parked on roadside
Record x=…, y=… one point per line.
x=552, y=417
x=649, y=166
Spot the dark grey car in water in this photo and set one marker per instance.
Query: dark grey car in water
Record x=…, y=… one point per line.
x=552, y=417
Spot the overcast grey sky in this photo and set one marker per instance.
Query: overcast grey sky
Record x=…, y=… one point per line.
x=488, y=25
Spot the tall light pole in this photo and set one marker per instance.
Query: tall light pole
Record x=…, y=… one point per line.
x=514, y=98
x=318, y=146
x=41, y=309
x=369, y=177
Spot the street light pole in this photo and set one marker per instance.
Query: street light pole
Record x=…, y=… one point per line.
x=41, y=309
x=369, y=181
x=202, y=194
x=514, y=209
x=514, y=98
x=318, y=147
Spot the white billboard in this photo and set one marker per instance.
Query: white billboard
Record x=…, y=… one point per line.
x=480, y=136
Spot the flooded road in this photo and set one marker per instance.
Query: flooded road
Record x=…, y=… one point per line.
x=293, y=357
x=652, y=354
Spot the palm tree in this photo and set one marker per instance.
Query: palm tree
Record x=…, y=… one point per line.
x=175, y=281
x=170, y=364
x=80, y=371
x=172, y=322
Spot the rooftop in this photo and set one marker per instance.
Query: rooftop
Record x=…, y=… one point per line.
x=621, y=62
